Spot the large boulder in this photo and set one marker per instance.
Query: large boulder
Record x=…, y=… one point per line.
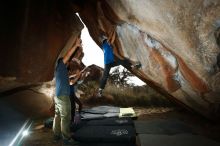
x=33, y=34
x=177, y=43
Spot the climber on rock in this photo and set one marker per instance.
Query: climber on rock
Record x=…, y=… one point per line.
x=112, y=59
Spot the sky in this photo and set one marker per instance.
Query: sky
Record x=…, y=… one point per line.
x=93, y=54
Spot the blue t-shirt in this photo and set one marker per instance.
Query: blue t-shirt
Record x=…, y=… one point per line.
x=108, y=53
x=62, y=80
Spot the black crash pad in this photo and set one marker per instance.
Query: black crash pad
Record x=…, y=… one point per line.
x=123, y=134
x=111, y=122
x=106, y=144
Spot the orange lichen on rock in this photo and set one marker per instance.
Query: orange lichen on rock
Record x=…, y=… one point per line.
x=168, y=72
x=196, y=83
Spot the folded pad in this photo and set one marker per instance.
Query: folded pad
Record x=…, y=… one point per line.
x=127, y=112
x=89, y=116
x=102, y=110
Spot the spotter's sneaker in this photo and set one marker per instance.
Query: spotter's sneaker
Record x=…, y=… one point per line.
x=70, y=142
x=56, y=138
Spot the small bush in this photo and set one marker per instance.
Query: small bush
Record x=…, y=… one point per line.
x=89, y=89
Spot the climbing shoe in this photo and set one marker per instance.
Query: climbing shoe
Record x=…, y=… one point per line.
x=99, y=93
x=136, y=65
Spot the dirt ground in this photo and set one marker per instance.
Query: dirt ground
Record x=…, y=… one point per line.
x=41, y=136
x=199, y=124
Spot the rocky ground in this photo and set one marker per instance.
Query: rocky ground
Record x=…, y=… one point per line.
x=25, y=102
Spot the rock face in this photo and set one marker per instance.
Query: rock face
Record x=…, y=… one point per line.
x=33, y=33
x=177, y=42
x=94, y=73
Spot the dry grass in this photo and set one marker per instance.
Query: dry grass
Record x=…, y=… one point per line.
x=142, y=96
x=137, y=96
